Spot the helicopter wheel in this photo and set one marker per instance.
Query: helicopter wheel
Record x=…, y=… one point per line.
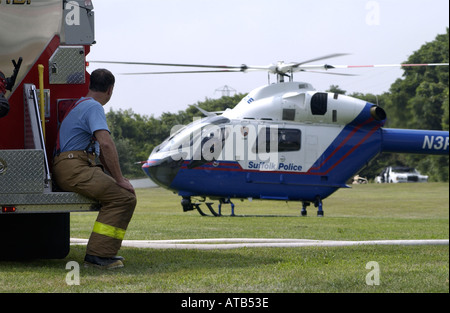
x=318, y=205
x=305, y=204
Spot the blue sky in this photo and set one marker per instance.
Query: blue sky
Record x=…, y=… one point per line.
x=254, y=32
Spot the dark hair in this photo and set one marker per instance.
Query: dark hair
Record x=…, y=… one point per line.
x=101, y=80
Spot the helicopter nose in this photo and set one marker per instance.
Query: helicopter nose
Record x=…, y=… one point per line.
x=162, y=171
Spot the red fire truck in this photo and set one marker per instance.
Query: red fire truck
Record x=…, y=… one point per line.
x=43, y=47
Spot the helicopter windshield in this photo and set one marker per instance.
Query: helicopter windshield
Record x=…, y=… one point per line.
x=186, y=136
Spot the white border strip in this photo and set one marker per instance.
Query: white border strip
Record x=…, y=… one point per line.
x=233, y=243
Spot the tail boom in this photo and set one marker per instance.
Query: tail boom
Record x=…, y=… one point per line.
x=415, y=141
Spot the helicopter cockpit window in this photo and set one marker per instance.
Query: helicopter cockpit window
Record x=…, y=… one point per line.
x=278, y=140
x=217, y=120
x=186, y=136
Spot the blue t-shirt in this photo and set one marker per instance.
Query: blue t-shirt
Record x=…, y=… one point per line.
x=79, y=126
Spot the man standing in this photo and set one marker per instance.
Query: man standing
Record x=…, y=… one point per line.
x=82, y=136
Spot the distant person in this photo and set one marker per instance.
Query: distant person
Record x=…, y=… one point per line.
x=8, y=84
x=82, y=136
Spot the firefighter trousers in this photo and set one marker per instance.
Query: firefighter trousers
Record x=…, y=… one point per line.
x=77, y=171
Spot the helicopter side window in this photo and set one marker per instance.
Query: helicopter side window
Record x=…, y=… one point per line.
x=289, y=140
x=319, y=103
x=288, y=114
x=279, y=140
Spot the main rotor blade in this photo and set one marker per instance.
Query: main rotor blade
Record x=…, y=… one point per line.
x=182, y=72
x=233, y=68
x=334, y=55
x=328, y=66
x=329, y=73
x=167, y=64
x=388, y=65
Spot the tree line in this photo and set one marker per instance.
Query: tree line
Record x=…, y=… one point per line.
x=418, y=100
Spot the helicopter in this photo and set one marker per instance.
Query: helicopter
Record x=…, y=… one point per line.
x=282, y=141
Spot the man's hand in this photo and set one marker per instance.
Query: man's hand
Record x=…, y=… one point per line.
x=125, y=183
x=110, y=159
x=4, y=105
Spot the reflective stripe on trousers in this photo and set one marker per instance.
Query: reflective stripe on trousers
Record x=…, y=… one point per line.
x=108, y=230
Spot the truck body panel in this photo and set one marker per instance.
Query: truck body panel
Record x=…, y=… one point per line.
x=57, y=36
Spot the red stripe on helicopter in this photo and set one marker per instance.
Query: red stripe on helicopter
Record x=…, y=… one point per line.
x=148, y=162
x=230, y=166
x=374, y=129
x=342, y=144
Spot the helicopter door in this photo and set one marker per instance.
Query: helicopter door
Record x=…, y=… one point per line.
x=311, y=146
x=277, y=145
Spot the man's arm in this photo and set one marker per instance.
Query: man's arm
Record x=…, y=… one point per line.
x=4, y=105
x=110, y=159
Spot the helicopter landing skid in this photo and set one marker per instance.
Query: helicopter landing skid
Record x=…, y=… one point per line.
x=209, y=205
x=189, y=206
x=211, y=209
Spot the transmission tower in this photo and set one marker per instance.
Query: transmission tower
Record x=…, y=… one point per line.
x=226, y=90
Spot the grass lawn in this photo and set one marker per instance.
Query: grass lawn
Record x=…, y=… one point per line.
x=364, y=212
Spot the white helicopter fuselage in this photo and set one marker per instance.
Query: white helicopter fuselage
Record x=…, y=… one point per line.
x=282, y=141
x=319, y=118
